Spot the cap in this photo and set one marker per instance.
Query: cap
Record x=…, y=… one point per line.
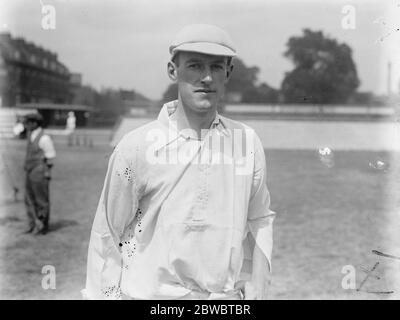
x=34, y=117
x=203, y=38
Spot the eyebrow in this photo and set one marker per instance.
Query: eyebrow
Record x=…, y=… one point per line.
x=199, y=60
x=193, y=60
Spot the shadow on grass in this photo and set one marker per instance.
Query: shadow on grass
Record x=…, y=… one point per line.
x=9, y=219
x=63, y=223
x=54, y=226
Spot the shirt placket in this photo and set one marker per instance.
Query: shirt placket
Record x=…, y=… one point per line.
x=203, y=189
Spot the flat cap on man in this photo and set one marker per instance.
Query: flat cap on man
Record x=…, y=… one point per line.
x=203, y=38
x=34, y=117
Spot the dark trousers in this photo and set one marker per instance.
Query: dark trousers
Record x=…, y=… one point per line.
x=37, y=197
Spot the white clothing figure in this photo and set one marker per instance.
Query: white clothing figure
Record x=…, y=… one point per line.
x=71, y=122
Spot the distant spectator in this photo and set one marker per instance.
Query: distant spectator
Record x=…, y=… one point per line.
x=38, y=163
x=71, y=122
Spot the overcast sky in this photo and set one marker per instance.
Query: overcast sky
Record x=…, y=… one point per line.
x=124, y=44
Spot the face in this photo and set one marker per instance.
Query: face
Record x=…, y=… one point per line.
x=30, y=125
x=201, y=79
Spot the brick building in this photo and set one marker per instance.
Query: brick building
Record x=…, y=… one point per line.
x=29, y=73
x=32, y=78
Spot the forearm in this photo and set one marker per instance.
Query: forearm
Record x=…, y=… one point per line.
x=258, y=286
x=104, y=268
x=261, y=272
x=117, y=205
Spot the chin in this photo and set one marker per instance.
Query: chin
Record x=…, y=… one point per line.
x=205, y=105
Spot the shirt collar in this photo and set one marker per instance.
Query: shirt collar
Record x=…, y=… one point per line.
x=35, y=133
x=169, y=108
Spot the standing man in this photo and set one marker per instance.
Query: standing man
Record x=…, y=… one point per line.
x=38, y=163
x=70, y=127
x=184, y=211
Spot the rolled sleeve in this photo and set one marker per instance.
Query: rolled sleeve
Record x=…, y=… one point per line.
x=116, y=210
x=46, y=144
x=260, y=217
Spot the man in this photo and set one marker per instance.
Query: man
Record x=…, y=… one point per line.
x=70, y=127
x=38, y=163
x=183, y=214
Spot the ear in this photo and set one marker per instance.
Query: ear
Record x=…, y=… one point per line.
x=229, y=70
x=172, y=71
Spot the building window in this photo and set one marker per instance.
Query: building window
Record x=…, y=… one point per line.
x=17, y=55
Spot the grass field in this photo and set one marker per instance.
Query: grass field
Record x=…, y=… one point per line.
x=326, y=218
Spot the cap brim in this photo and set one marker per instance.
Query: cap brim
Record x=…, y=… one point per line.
x=206, y=48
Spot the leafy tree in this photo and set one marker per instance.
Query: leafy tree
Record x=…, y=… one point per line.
x=171, y=93
x=324, y=70
x=108, y=106
x=261, y=94
x=243, y=78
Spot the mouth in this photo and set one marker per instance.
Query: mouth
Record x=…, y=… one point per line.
x=205, y=91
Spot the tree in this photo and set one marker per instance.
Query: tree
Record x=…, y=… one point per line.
x=261, y=94
x=324, y=70
x=108, y=106
x=243, y=78
x=171, y=93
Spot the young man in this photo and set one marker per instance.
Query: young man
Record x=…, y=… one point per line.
x=184, y=211
x=38, y=163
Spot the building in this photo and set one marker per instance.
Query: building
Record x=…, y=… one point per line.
x=33, y=78
x=30, y=74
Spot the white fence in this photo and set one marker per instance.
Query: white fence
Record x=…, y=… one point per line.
x=310, y=110
x=308, y=135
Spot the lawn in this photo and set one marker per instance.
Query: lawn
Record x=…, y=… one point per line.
x=327, y=217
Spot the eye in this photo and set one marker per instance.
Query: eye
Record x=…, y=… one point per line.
x=217, y=67
x=194, y=66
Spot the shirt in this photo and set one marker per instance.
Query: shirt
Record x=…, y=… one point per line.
x=71, y=123
x=179, y=215
x=45, y=143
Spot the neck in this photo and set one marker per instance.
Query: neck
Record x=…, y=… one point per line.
x=34, y=129
x=186, y=118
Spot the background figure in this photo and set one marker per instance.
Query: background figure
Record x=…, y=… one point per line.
x=70, y=127
x=38, y=163
x=71, y=122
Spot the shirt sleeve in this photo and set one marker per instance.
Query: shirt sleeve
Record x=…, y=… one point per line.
x=260, y=218
x=115, y=212
x=46, y=144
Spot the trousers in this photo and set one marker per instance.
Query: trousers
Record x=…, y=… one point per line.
x=195, y=295
x=37, y=200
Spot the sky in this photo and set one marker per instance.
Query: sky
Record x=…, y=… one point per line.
x=124, y=43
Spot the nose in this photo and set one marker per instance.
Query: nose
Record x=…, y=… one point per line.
x=207, y=76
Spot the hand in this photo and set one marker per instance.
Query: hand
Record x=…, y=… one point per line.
x=47, y=174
